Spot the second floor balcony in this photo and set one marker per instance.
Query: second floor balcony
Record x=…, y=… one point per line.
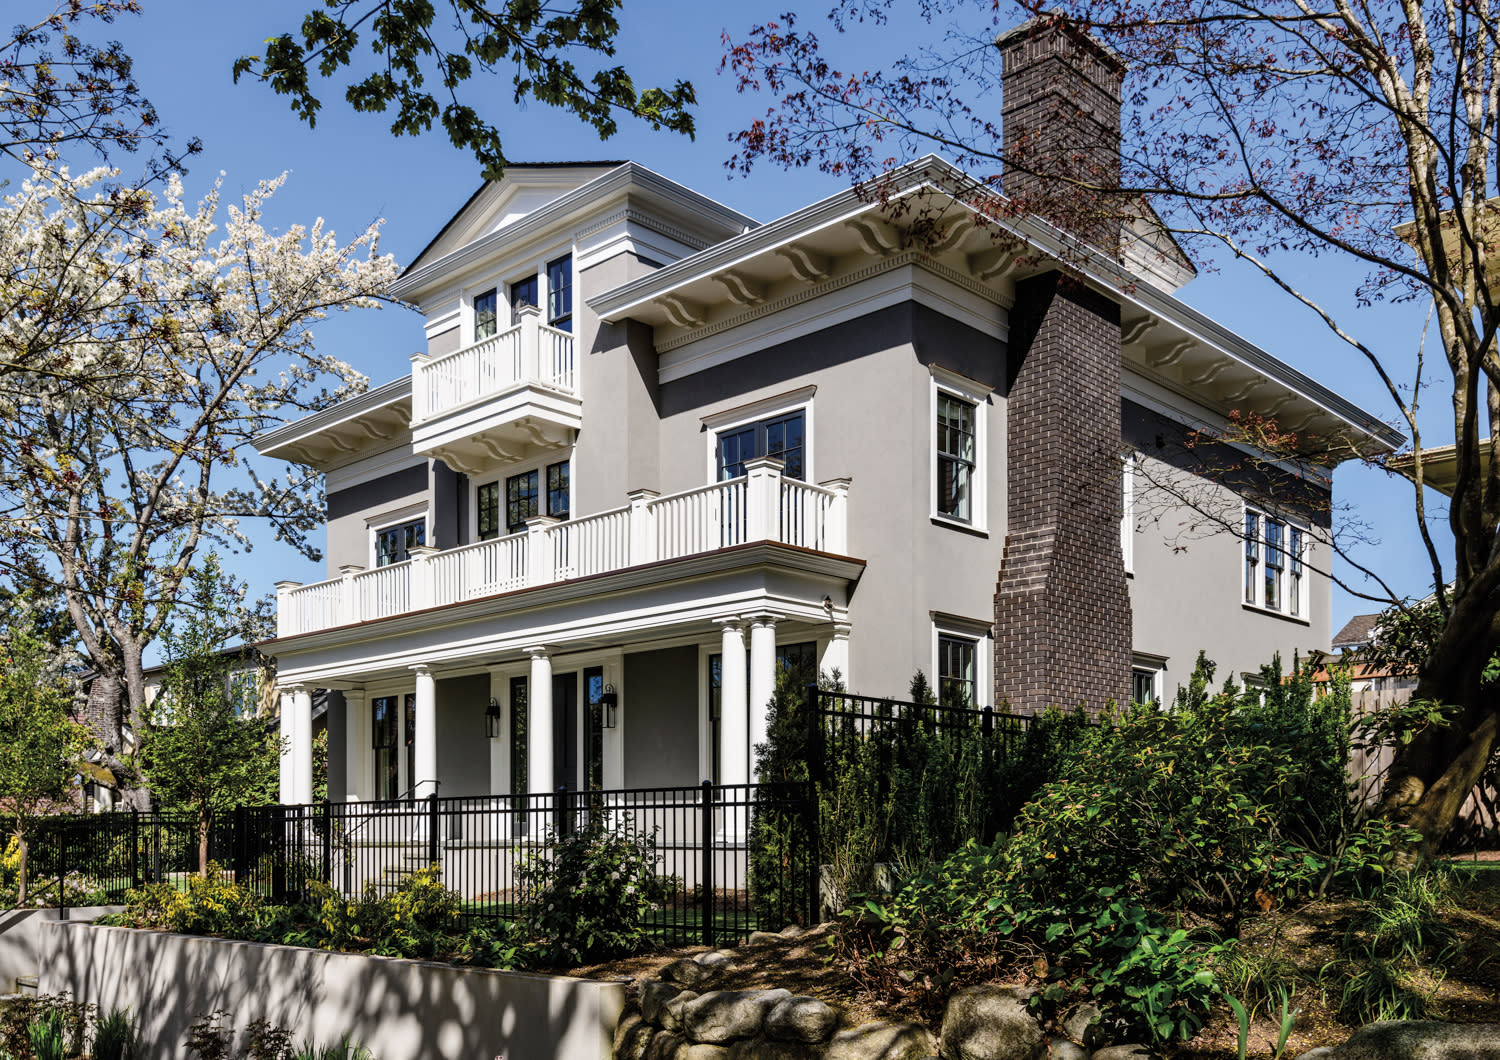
x=761, y=506
x=503, y=398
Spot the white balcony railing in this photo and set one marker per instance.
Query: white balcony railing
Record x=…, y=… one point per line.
x=761, y=506
x=529, y=352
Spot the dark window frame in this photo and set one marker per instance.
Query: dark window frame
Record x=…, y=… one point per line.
x=560, y=294
x=393, y=544
x=760, y=432
x=956, y=472
x=947, y=684
x=518, y=503
x=486, y=314
x=559, y=488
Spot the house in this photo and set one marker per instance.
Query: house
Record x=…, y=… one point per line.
x=654, y=449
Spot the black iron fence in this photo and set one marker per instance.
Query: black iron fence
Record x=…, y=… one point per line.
x=491, y=850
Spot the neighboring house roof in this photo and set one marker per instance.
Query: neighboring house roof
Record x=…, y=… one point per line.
x=1439, y=465
x=1356, y=632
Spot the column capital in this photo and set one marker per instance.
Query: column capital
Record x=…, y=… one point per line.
x=420, y=668
x=762, y=618
x=294, y=690
x=730, y=622
x=538, y=651
x=355, y=695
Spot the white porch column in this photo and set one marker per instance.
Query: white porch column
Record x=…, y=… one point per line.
x=424, y=747
x=302, y=744
x=539, y=723
x=734, y=721
x=836, y=655
x=285, y=790
x=762, y=681
x=357, y=736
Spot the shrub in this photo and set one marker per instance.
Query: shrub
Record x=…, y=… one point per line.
x=343, y=1049
x=20, y=1012
x=419, y=919
x=114, y=1036
x=206, y=905
x=588, y=895
x=48, y=1036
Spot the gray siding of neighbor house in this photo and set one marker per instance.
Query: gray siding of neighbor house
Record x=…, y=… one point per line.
x=463, y=748
x=872, y=422
x=660, y=706
x=1187, y=589
x=350, y=512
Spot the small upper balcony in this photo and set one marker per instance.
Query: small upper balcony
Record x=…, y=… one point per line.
x=505, y=398
x=761, y=506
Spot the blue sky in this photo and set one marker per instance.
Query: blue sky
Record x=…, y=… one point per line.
x=350, y=171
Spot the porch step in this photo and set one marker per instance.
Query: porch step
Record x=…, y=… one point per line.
x=26, y=984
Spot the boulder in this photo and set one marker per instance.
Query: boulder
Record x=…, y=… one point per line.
x=1084, y=1023
x=724, y=1015
x=655, y=994
x=1418, y=1040
x=664, y=1046
x=800, y=1019
x=1123, y=1052
x=759, y=938
x=991, y=1023
x=671, y=1012
x=883, y=1041
x=686, y=972
x=632, y=1036
x=714, y=959
x=1065, y=1049
x=766, y=1049
x=700, y=1051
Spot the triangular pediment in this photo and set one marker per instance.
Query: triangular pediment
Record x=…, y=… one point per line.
x=497, y=204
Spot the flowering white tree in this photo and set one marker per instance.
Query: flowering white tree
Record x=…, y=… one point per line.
x=144, y=340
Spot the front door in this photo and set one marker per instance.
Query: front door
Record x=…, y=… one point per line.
x=565, y=731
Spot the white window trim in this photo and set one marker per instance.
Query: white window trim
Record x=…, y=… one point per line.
x=1304, y=594
x=980, y=632
x=977, y=394
x=499, y=476
x=767, y=408
x=499, y=281
x=1156, y=666
x=1127, y=511
x=386, y=520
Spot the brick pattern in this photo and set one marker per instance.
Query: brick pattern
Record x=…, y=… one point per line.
x=1062, y=607
x=1060, y=110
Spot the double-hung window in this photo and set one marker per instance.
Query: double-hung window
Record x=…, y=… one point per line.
x=523, y=500
x=781, y=437
x=1275, y=573
x=523, y=293
x=560, y=293
x=485, y=321
x=558, y=501
x=956, y=457
x=958, y=675
x=520, y=500
x=487, y=510
x=394, y=543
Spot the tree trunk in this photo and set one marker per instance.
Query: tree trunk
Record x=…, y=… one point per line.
x=21, y=871
x=105, y=711
x=205, y=823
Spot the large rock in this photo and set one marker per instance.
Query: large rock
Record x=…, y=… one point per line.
x=883, y=1041
x=671, y=1012
x=1084, y=1023
x=1123, y=1052
x=800, y=1019
x=686, y=972
x=655, y=994
x=664, y=1046
x=766, y=1049
x=1065, y=1049
x=724, y=1015
x=632, y=1036
x=991, y=1023
x=1417, y=1040
x=700, y=1051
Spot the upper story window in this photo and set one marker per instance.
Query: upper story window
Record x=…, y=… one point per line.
x=558, y=500
x=959, y=407
x=523, y=500
x=956, y=457
x=520, y=500
x=560, y=293
x=1275, y=552
x=782, y=437
x=394, y=543
x=523, y=293
x=487, y=510
x=485, y=321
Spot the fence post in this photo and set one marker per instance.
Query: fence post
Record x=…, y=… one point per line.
x=135, y=848
x=327, y=841
x=155, y=843
x=987, y=765
x=706, y=869
x=279, y=852
x=62, y=868
x=432, y=829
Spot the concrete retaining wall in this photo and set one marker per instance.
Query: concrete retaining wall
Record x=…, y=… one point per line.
x=21, y=938
x=403, y=1010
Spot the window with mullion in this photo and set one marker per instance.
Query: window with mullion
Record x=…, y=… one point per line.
x=487, y=505
x=520, y=500
x=560, y=293
x=394, y=543
x=957, y=671
x=485, y=322
x=558, y=499
x=1297, y=542
x=1275, y=564
x=383, y=721
x=956, y=457
x=782, y=437
x=522, y=293
x=1252, y=556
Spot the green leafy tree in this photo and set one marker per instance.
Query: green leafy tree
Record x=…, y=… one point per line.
x=422, y=61
x=204, y=745
x=39, y=743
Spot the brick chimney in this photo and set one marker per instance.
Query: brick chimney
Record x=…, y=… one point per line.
x=1060, y=124
x=1062, y=605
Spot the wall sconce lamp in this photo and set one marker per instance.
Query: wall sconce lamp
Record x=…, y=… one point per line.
x=492, y=719
x=609, y=702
